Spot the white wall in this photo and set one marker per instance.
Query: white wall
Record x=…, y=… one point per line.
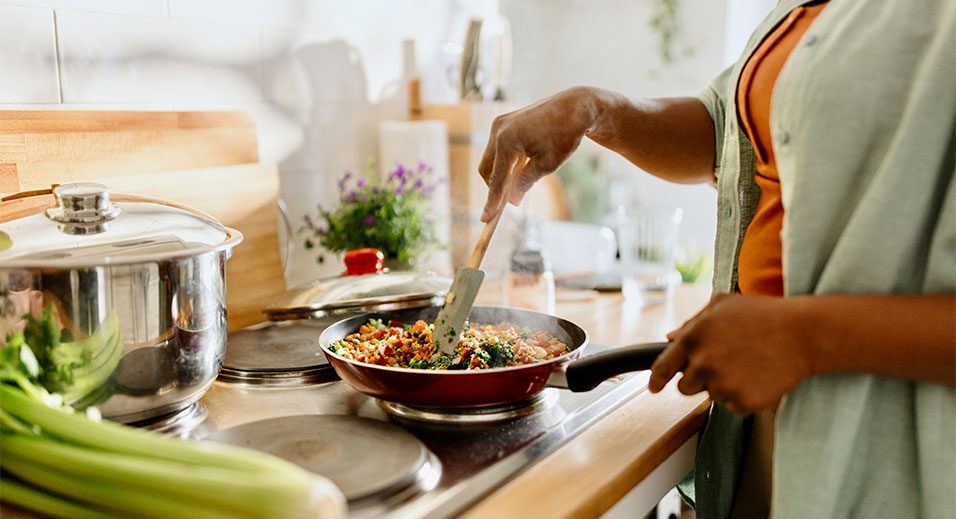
x=317, y=75
x=742, y=17
x=609, y=43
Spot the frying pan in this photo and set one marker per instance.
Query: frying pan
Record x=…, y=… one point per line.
x=477, y=388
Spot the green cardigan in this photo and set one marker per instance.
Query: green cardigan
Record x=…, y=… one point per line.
x=863, y=121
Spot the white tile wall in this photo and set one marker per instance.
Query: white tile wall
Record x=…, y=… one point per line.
x=137, y=7
x=608, y=43
x=318, y=75
x=28, y=56
x=252, y=12
x=123, y=59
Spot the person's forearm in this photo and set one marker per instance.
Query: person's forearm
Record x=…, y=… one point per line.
x=671, y=138
x=899, y=336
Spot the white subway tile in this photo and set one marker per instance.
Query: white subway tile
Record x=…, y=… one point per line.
x=338, y=137
x=136, y=7
x=122, y=59
x=253, y=12
x=28, y=55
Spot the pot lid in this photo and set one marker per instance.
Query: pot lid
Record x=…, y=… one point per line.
x=365, y=287
x=82, y=224
x=361, y=293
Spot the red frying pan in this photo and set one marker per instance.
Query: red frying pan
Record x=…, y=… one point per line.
x=476, y=388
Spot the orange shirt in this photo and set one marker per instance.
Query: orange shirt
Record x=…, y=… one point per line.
x=759, y=267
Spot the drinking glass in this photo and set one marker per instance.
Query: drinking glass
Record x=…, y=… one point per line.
x=648, y=241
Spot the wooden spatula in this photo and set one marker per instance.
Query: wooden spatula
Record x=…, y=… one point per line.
x=464, y=288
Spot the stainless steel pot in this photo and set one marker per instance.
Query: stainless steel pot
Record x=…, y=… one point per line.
x=136, y=285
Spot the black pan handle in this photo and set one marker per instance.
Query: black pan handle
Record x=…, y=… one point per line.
x=585, y=374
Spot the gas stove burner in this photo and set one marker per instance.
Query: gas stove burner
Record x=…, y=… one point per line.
x=333, y=445
x=276, y=354
x=473, y=415
x=179, y=423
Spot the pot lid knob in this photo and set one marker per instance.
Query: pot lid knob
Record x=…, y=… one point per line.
x=364, y=261
x=83, y=208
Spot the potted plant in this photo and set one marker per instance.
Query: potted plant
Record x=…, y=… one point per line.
x=389, y=214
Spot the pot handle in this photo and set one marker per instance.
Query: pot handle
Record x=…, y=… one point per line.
x=28, y=194
x=585, y=374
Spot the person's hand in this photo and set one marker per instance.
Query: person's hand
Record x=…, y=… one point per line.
x=746, y=351
x=547, y=133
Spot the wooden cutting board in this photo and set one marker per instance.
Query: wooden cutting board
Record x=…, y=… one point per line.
x=207, y=160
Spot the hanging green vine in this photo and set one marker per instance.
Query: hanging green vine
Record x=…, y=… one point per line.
x=666, y=21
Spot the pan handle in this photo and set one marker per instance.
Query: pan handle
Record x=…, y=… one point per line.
x=585, y=374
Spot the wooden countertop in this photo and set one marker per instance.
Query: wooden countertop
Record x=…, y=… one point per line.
x=586, y=476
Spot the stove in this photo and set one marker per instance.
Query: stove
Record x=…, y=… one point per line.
x=391, y=459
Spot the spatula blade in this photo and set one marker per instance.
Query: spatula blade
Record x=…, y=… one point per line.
x=451, y=318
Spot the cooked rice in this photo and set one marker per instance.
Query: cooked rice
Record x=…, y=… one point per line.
x=479, y=347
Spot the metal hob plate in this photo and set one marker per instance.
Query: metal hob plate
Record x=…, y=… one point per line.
x=340, y=448
x=472, y=415
x=275, y=347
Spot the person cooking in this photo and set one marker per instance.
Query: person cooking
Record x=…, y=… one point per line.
x=830, y=346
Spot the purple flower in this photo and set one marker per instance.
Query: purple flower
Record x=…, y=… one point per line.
x=419, y=184
x=369, y=220
x=422, y=167
x=399, y=173
x=375, y=190
x=345, y=178
x=399, y=190
x=361, y=183
x=351, y=197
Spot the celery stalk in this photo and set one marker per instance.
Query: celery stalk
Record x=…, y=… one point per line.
x=9, y=422
x=257, y=495
x=118, y=458
x=79, y=430
x=39, y=501
x=122, y=500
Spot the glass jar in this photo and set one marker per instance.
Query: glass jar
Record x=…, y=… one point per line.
x=530, y=281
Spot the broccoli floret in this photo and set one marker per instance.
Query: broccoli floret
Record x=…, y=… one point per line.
x=500, y=354
x=419, y=364
x=377, y=323
x=442, y=361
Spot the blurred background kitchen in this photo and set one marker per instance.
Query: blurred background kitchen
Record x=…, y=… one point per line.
x=340, y=86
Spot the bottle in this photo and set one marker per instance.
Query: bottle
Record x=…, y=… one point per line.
x=530, y=281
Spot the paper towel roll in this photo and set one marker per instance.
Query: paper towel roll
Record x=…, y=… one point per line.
x=411, y=142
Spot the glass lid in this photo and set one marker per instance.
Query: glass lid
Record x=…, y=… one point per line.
x=365, y=286
x=81, y=225
x=360, y=293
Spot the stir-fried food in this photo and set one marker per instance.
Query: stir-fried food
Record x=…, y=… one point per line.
x=479, y=347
